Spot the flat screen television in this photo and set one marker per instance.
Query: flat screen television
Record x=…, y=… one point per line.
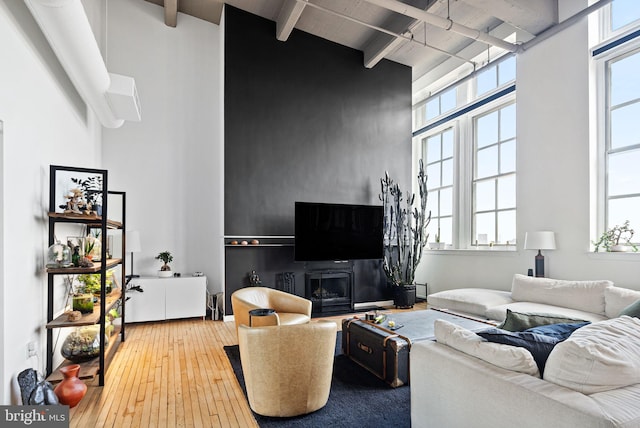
x=332, y=232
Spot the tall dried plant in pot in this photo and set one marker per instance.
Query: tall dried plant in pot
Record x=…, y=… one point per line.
x=405, y=230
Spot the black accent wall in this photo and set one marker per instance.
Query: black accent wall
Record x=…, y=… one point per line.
x=304, y=120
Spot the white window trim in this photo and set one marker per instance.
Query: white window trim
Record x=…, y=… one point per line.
x=463, y=152
x=602, y=107
x=604, y=25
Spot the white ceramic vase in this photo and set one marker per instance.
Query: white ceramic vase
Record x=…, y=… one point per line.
x=618, y=248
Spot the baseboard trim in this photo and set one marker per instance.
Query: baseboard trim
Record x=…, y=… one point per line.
x=382, y=303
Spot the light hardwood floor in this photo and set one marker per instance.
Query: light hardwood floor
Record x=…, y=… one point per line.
x=171, y=374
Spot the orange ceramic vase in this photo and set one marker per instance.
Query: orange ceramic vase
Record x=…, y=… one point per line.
x=71, y=390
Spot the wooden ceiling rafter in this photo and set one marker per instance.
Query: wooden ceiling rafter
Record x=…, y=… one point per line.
x=207, y=10
x=287, y=18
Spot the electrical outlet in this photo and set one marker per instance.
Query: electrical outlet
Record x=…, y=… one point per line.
x=31, y=350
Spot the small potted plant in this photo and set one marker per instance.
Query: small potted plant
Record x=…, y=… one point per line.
x=165, y=270
x=610, y=239
x=437, y=245
x=93, y=246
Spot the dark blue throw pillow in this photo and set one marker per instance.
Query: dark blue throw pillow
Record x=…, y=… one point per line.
x=560, y=331
x=539, y=345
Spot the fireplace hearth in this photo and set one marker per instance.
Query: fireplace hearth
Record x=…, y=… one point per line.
x=329, y=290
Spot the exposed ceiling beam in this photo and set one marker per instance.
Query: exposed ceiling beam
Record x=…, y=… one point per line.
x=208, y=10
x=378, y=48
x=444, y=23
x=171, y=12
x=531, y=16
x=287, y=18
x=382, y=44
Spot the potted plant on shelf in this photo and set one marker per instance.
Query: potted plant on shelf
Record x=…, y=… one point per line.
x=610, y=239
x=93, y=246
x=405, y=236
x=165, y=270
x=90, y=283
x=92, y=190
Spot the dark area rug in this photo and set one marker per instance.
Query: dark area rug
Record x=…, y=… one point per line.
x=357, y=398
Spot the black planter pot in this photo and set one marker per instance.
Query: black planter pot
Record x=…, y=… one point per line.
x=404, y=296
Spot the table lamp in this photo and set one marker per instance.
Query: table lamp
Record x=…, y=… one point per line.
x=544, y=240
x=133, y=246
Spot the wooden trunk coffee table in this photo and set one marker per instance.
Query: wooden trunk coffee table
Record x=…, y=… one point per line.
x=384, y=351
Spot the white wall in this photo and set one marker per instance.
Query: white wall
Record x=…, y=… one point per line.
x=45, y=122
x=553, y=175
x=171, y=163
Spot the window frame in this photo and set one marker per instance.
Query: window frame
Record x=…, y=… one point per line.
x=422, y=152
x=464, y=161
x=461, y=120
x=474, y=179
x=606, y=30
x=602, y=61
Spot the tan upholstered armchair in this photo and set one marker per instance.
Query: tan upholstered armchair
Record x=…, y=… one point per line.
x=287, y=369
x=290, y=309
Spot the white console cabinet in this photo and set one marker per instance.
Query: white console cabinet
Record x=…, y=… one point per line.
x=167, y=298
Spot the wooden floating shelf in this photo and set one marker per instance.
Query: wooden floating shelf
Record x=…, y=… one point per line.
x=257, y=245
x=87, y=319
x=111, y=263
x=89, y=369
x=86, y=219
x=263, y=241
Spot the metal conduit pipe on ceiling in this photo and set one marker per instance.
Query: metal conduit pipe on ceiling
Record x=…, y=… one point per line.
x=385, y=31
x=444, y=23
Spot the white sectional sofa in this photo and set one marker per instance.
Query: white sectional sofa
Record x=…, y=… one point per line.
x=592, y=379
x=586, y=300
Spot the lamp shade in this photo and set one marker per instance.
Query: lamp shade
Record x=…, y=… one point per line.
x=544, y=240
x=133, y=241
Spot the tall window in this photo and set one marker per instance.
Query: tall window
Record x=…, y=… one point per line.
x=439, y=160
x=623, y=145
x=470, y=158
x=494, y=183
x=617, y=61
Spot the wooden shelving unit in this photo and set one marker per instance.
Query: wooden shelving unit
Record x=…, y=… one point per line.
x=91, y=220
x=98, y=365
x=90, y=369
x=97, y=266
x=87, y=319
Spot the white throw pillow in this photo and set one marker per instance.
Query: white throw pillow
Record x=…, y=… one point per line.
x=598, y=357
x=474, y=301
x=616, y=299
x=505, y=356
x=582, y=295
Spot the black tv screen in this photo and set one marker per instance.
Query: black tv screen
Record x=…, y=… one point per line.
x=326, y=232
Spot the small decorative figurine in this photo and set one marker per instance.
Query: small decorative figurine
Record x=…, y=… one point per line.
x=254, y=279
x=76, y=203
